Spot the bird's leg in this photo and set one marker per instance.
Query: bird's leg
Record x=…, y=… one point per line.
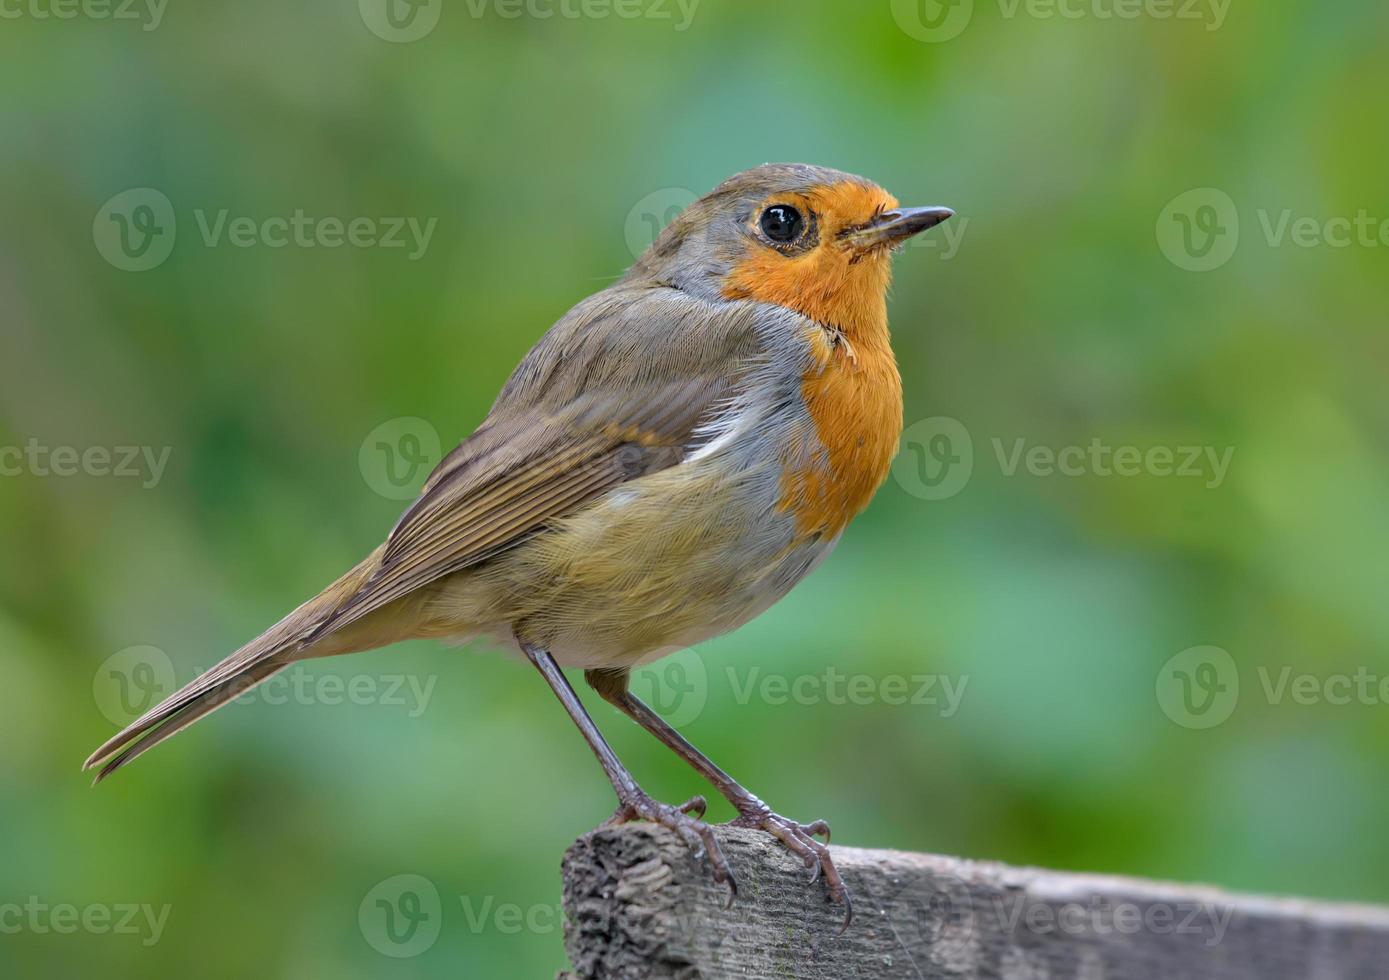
x=632, y=802
x=798, y=838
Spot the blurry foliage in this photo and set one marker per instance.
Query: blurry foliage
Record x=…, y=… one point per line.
x=1058, y=321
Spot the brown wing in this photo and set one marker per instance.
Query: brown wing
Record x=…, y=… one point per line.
x=616, y=390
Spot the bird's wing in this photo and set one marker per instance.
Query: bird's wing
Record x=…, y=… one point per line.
x=620, y=387
x=617, y=389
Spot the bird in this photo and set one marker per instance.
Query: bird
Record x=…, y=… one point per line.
x=672, y=456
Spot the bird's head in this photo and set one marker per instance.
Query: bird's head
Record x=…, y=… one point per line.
x=811, y=239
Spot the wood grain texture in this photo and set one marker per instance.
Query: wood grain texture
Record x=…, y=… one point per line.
x=638, y=906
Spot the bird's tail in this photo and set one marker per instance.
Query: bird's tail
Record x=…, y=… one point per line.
x=266, y=655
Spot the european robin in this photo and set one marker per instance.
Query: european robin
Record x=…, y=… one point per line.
x=675, y=454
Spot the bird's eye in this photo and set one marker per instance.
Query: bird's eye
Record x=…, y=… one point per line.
x=782, y=223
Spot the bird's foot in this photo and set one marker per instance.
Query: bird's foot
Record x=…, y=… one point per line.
x=685, y=820
x=799, y=839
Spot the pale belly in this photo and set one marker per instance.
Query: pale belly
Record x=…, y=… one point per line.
x=661, y=563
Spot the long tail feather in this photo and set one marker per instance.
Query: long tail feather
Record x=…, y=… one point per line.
x=178, y=720
x=268, y=653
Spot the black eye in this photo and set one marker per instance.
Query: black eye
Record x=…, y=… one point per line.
x=782, y=223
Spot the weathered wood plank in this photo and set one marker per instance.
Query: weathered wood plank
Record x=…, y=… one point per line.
x=638, y=906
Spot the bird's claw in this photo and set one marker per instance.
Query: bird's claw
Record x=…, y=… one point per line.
x=695, y=806
x=800, y=840
x=685, y=821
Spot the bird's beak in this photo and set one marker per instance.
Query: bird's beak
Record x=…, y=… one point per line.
x=896, y=226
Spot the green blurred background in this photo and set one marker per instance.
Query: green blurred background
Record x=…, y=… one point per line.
x=1078, y=296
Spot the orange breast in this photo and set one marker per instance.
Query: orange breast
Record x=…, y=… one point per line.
x=855, y=401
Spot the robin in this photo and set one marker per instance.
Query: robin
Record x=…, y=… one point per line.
x=675, y=454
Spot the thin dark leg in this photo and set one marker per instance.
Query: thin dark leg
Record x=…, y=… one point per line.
x=616, y=772
x=611, y=685
x=632, y=802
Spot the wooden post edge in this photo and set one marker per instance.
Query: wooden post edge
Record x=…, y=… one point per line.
x=640, y=907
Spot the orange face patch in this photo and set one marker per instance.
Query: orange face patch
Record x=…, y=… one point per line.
x=830, y=283
x=854, y=392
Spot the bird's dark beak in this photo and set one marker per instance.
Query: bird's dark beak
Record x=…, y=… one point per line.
x=896, y=226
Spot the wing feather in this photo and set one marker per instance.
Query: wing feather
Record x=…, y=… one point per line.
x=581, y=415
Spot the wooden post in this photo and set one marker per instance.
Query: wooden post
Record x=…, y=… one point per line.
x=639, y=906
